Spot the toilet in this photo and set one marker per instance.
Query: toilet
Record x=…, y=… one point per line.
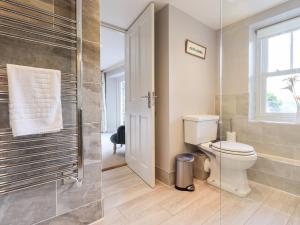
x=228, y=161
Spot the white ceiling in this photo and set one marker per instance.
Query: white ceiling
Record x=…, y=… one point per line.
x=236, y=10
x=112, y=48
x=122, y=13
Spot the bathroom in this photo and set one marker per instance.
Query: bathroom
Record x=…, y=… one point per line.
x=56, y=178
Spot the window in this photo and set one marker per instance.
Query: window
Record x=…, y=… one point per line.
x=277, y=64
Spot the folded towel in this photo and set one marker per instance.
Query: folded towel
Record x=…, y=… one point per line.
x=34, y=100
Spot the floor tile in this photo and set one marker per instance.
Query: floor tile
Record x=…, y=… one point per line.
x=275, y=210
x=129, y=201
x=295, y=218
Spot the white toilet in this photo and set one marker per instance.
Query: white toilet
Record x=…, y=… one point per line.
x=228, y=161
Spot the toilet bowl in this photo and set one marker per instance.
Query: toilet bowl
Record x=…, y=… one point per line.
x=228, y=165
x=228, y=161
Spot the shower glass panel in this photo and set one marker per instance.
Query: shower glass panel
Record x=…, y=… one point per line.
x=259, y=106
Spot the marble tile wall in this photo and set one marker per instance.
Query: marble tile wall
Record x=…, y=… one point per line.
x=55, y=203
x=278, y=145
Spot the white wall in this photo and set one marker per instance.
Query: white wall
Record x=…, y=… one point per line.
x=112, y=47
x=236, y=49
x=191, y=82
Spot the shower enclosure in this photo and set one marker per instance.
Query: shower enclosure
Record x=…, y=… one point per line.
x=258, y=54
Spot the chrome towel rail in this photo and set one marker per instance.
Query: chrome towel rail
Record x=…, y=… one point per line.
x=8, y=190
x=37, y=18
x=38, y=170
x=31, y=24
x=19, y=22
x=38, y=10
x=6, y=34
x=38, y=33
x=34, y=160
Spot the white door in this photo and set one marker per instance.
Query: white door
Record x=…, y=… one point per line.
x=139, y=79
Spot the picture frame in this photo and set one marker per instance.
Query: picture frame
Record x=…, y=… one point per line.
x=195, y=49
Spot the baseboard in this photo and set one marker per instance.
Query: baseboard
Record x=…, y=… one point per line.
x=165, y=177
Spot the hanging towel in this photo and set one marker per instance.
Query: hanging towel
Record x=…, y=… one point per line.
x=34, y=100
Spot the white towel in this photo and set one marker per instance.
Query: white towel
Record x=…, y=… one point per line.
x=34, y=100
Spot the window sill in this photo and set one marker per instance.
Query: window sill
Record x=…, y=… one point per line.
x=267, y=121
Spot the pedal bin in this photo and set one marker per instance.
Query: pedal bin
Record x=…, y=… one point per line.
x=184, y=179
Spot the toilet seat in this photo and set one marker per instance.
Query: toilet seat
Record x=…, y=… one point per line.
x=233, y=148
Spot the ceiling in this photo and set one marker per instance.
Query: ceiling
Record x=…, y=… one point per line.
x=122, y=13
x=112, y=48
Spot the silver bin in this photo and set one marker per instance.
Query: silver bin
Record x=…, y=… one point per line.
x=184, y=179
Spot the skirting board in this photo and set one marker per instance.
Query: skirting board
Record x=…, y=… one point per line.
x=165, y=177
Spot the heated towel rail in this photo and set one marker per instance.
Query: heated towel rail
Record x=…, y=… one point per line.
x=38, y=159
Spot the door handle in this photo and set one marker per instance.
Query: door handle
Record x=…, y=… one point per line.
x=150, y=97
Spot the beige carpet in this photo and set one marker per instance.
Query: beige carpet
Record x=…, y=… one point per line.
x=109, y=159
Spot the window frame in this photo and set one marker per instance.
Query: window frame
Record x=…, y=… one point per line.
x=261, y=62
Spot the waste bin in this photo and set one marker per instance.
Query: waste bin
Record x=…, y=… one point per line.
x=184, y=180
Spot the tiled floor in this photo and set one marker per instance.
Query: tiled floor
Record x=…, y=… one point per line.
x=127, y=201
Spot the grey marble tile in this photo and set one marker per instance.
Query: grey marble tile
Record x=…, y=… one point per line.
x=91, y=103
x=247, y=131
x=217, y=104
x=40, y=4
x=91, y=72
x=69, y=111
x=22, y=53
x=91, y=20
x=296, y=153
x=91, y=53
x=228, y=104
x=285, y=151
x=275, y=168
x=224, y=126
x=28, y=206
x=267, y=179
x=242, y=104
x=71, y=196
x=28, y=54
x=4, y=116
x=66, y=8
x=284, y=134
x=92, y=141
x=292, y=186
x=81, y=216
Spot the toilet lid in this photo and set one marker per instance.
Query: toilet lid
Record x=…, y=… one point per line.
x=233, y=148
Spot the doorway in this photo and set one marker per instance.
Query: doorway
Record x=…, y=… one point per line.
x=113, y=97
x=129, y=110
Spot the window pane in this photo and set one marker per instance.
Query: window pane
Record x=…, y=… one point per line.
x=279, y=52
x=296, y=49
x=279, y=99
